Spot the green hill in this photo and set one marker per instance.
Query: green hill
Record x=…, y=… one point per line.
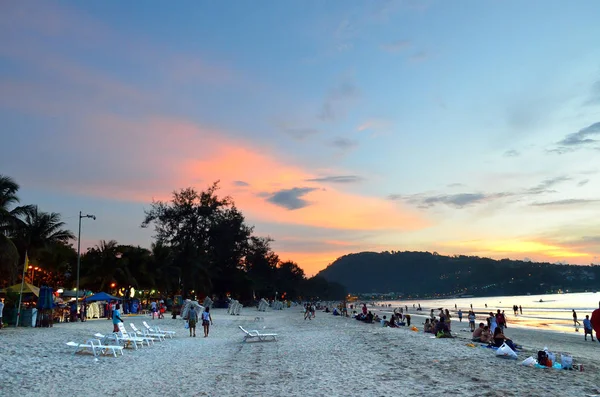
x=429, y=274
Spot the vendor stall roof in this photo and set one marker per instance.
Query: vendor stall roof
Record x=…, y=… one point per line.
x=27, y=289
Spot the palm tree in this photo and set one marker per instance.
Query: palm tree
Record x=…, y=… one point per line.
x=9, y=222
x=39, y=229
x=105, y=264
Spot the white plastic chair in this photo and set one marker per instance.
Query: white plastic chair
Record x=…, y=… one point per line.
x=146, y=333
x=96, y=347
x=158, y=330
x=255, y=335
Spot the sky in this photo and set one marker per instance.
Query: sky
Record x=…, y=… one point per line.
x=466, y=127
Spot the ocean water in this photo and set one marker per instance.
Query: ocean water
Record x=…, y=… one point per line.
x=550, y=311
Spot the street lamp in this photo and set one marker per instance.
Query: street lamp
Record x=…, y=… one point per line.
x=79, y=258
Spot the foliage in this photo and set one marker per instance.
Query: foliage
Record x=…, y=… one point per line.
x=203, y=246
x=427, y=274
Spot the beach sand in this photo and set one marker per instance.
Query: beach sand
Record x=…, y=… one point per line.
x=327, y=356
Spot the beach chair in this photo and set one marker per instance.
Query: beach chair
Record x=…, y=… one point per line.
x=146, y=333
x=158, y=330
x=255, y=335
x=119, y=339
x=142, y=339
x=96, y=347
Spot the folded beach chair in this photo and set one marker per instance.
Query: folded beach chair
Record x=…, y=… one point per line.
x=96, y=347
x=255, y=335
x=119, y=339
x=146, y=333
x=158, y=330
x=142, y=339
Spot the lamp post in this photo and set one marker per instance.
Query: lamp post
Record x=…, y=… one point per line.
x=79, y=259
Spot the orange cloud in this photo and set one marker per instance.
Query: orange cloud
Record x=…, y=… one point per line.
x=184, y=154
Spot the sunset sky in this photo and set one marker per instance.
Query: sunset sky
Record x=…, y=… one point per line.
x=464, y=127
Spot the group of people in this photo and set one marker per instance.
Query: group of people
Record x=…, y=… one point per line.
x=309, y=311
x=192, y=319
x=158, y=308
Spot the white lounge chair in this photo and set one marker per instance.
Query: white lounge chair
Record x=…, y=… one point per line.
x=142, y=339
x=158, y=330
x=146, y=333
x=118, y=338
x=96, y=347
x=255, y=335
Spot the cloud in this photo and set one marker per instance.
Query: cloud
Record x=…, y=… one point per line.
x=337, y=179
x=395, y=46
x=453, y=185
x=344, y=143
x=337, y=99
x=581, y=137
x=566, y=202
x=583, y=182
x=241, y=183
x=512, y=153
x=291, y=198
x=545, y=185
x=419, y=56
x=594, y=97
x=460, y=200
x=300, y=134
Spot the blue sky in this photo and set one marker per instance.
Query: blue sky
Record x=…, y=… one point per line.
x=458, y=127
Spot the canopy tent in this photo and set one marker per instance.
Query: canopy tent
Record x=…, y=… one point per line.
x=27, y=289
x=102, y=296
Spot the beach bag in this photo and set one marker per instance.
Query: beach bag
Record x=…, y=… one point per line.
x=529, y=362
x=187, y=325
x=506, y=352
x=566, y=361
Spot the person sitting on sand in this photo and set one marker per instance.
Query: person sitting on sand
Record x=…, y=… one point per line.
x=448, y=320
x=486, y=335
x=369, y=317
x=384, y=322
x=587, y=328
x=376, y=319
x=427, y=327
x=499, y=339
x=477, y=333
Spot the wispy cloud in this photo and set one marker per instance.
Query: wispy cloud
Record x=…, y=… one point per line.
x=419, y=56
x=583, y=182
x=241, y=183
x=594, y=98
x=291, y=198
x=563, y=203
x=462, y=200
x=335, y=101
x=512, y=153
x=300, y=134
x=337, y=179
x=395, y=46
x=583, y=138
x=546, y=185
x=344, y=143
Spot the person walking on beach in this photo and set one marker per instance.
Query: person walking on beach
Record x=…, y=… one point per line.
x=192, y=320
x=116, y=318
x=575, y=322
x=587, y=328
x=460, y=315
x=520, y=310
x=206, y=320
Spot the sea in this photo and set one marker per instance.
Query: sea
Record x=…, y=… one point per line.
x=549, y=311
